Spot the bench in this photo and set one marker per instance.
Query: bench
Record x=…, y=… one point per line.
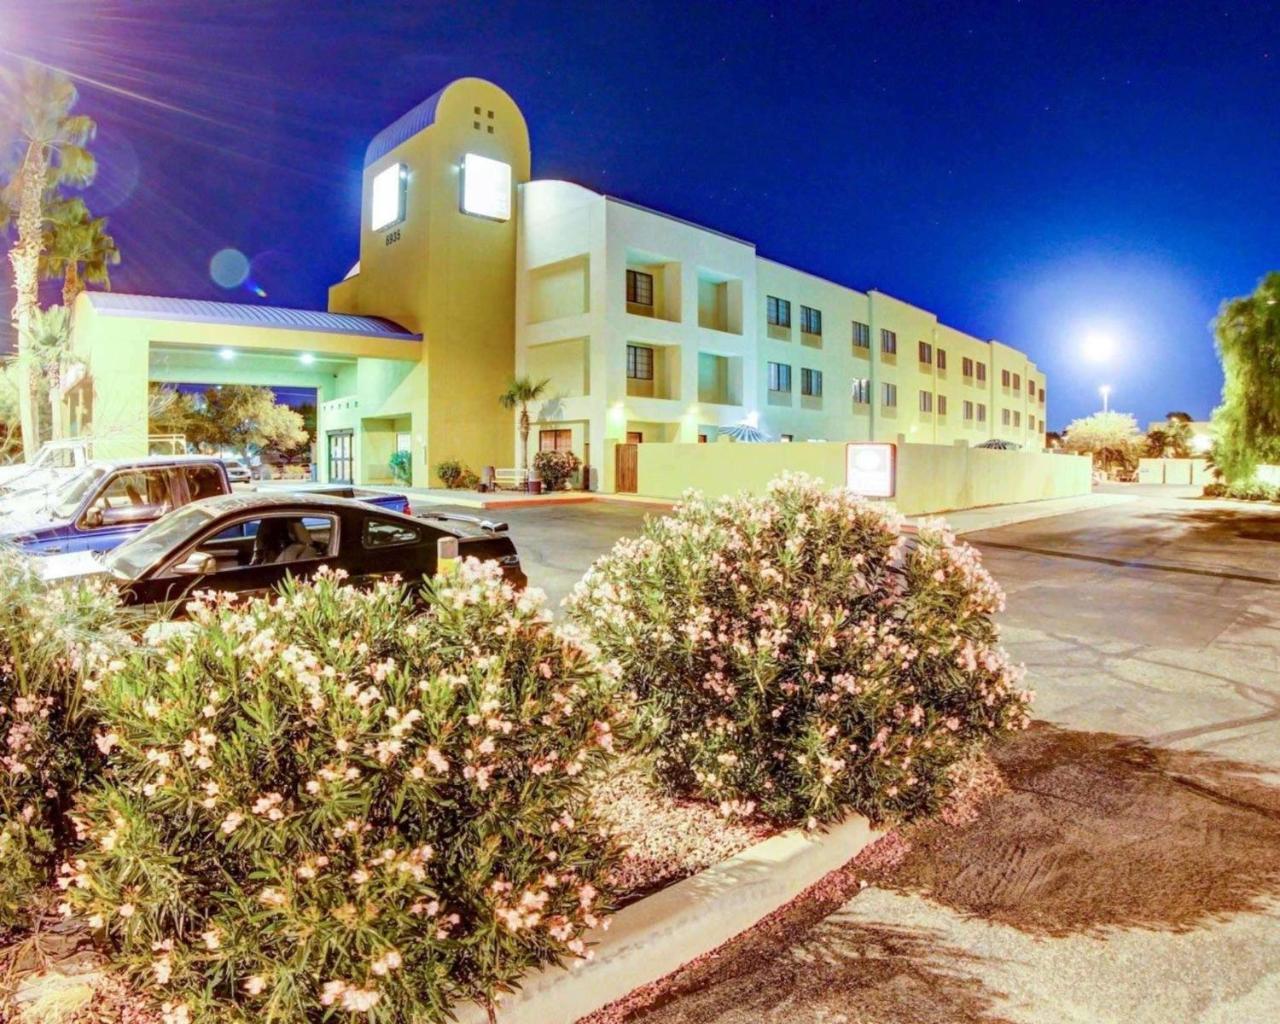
x=511, y=479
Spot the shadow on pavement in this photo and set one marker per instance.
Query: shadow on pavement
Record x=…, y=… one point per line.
x=1099, y=831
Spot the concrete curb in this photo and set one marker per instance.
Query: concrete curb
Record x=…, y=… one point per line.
x=653, y=937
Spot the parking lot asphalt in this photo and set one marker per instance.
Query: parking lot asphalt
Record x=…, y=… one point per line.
x=558, y=543
x=1128, y=870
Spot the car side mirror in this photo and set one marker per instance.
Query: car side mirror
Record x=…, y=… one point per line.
x=128, y=514
x=195, y=564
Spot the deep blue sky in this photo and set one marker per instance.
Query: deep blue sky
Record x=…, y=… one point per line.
x=1030, y=171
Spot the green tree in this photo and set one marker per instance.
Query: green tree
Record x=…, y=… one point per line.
x=1247, y=423
x=169, y=411
x=49, y=354
x=1112, y=438
x=77, y=249
x=520, y=392
x=245, y=419
x=1170, y=441
x=46, y=144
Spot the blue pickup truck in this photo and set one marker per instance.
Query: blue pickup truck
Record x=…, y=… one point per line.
x=106, y=503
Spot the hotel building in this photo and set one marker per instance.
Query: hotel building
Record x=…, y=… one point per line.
x=649, y=329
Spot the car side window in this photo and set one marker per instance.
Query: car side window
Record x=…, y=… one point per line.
x=203, y=481
x=144, y=491
x=385, y=533
x=259, y=541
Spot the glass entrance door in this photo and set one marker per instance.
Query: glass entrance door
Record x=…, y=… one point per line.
x=341, y=464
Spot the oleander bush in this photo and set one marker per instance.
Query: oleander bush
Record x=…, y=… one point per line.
x=338, y=802
x=555, y=468
x=53, y=641
x=797, y=655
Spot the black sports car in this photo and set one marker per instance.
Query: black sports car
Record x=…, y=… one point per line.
x=248, y=543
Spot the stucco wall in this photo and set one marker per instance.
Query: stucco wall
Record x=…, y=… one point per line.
x=931, y=478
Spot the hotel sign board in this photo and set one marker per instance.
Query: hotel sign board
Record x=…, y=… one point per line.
x=871, y=469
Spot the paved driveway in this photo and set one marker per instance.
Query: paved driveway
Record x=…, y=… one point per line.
x=1128, y=868
x=558, y=543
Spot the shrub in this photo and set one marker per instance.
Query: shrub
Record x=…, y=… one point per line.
x=797, y=655
x=1252, y=491
x=555, y=468
x=449, y=471
x=401, y=466
x=338, y=801
x=454, y=475
x=1216, y=489
x=52, y=641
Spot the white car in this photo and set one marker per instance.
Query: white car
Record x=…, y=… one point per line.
x=237, y=471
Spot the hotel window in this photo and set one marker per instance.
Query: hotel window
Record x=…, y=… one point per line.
x=778, y=311
x=639, y=362
x=1031, y=388
x=639, y=288
x=926, y=352
x=966, y=366
x=1042, y=396
x=861, y=391
x=888, y=342
x=861, y=335
x=779, y=377
x=1017, y=419
x=982, y=371
x=890, y=395
x=968, y=410
x=982, y=413
x=1017, y=382
x=1005, y=416
x=1005, y=378
x=555, y=440
x=941, y=361
x=926, y=401
x=942, y=405
x=810, y=320
x=810, y=382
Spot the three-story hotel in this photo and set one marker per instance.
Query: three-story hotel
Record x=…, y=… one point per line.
x=649, y=329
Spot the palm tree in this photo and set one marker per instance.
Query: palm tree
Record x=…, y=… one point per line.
x=47, y=144
x=48, y=351
x=520, y=392
x=77, y=249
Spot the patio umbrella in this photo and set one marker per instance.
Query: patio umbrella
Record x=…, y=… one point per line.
x=1008, y=446
x=745, y=432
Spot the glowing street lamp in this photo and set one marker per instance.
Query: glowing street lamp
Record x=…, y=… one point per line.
x=1105, y=392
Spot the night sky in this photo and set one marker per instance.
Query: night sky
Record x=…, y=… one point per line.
x=1032, y=172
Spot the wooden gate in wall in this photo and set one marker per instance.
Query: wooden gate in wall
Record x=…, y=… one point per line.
x=624, y=472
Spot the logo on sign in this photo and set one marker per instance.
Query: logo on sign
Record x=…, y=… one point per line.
x=870, y=469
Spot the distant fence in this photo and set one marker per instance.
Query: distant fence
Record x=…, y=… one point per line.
x=1180, y=472
x=931, y=478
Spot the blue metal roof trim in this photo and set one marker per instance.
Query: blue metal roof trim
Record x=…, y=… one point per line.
x=163, y=307
x=404, y=127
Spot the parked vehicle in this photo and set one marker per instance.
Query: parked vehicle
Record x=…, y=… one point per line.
x=109, y=502
x=58, y=460
x=248, y=543
x=237, y=471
